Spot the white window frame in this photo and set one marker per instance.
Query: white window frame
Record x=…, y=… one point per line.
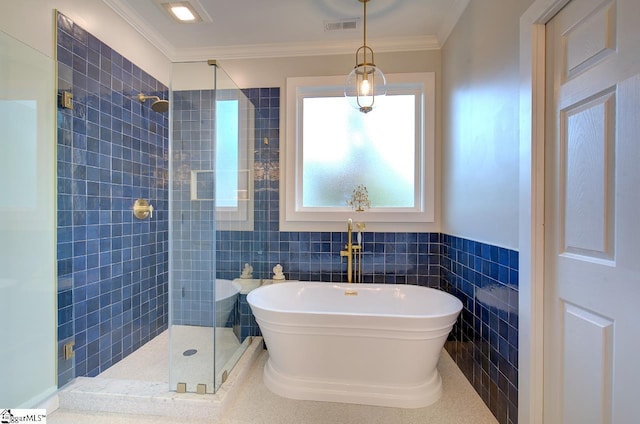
x=294, y=217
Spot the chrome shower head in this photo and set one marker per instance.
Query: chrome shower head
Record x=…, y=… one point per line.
x=158, y=105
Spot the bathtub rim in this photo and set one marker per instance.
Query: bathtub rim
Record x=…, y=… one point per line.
x=455, y=311
x=235, y=291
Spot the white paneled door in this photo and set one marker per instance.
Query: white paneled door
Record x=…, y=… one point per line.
x=592, y=214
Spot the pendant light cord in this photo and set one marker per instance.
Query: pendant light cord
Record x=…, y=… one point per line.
x=364, y=38
x=365, y=23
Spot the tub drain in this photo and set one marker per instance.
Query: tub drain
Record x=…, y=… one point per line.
x=189, y=352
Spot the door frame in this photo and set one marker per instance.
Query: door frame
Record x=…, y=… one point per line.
x=531, y=208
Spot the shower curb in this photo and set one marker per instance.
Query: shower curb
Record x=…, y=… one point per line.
x=133, y=397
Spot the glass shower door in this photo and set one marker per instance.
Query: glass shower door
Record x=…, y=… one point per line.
x=210, y=177
x=234, y=176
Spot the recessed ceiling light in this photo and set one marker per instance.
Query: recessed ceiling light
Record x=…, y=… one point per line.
x=182, y=12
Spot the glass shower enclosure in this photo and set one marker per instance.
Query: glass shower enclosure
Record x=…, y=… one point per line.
x=210, y=173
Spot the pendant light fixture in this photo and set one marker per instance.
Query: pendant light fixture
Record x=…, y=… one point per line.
x=366, y=81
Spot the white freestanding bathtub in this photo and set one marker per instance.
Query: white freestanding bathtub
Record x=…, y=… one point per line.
x=372, y=344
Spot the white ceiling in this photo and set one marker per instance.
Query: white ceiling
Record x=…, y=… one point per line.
x=277, y=28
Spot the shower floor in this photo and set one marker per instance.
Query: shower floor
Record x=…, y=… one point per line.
x=151, y=361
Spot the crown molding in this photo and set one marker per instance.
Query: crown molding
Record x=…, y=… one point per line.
x=262, y=51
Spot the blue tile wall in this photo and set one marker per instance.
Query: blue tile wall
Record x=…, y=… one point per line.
x=112, y=268
x=193, y=227
x=484, y=342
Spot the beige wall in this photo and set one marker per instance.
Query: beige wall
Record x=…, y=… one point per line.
x=480, y=66
x=31, y=22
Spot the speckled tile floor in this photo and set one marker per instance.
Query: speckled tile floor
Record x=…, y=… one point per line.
x=255, y=404
x=151, y=362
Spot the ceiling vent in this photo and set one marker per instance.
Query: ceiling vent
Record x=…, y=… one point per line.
x=342, y=25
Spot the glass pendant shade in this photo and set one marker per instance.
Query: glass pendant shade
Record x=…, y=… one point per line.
x=366, y=81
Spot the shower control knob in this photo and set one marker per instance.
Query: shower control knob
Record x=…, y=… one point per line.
x=142, y=209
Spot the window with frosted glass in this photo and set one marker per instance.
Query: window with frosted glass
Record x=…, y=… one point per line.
x=343, y=148
x=331, y=149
